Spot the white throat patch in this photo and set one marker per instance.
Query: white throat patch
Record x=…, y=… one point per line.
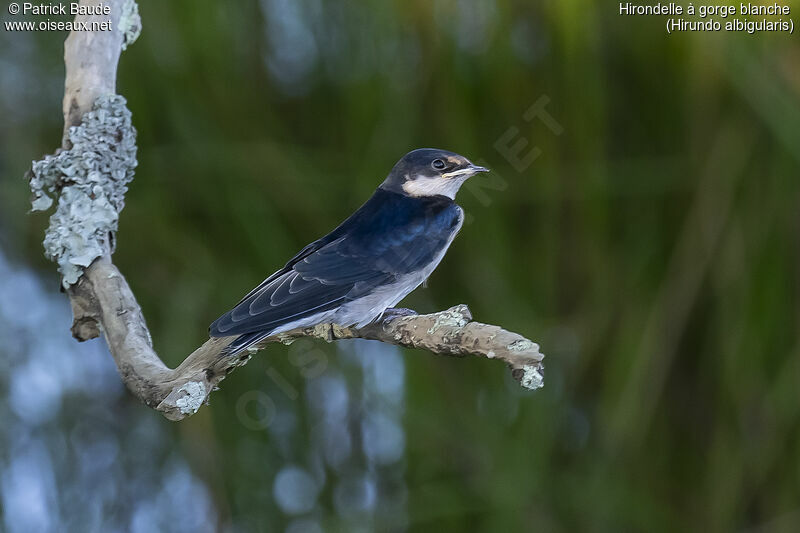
x=436, y=186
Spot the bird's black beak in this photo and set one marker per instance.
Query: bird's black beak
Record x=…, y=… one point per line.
x=475, y=168
x=468, y=171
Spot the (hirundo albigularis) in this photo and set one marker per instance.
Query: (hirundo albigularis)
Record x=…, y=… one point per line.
x=370, y=262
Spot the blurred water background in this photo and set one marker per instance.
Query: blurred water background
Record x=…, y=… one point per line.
x=642, y=223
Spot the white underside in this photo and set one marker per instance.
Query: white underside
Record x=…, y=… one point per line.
x=366, y=309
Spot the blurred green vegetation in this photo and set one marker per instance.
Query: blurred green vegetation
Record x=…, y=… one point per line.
x=652, y=248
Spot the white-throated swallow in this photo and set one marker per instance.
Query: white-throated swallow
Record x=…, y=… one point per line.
x=370, y=262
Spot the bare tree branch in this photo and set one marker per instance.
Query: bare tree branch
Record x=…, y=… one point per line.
x=97, y=123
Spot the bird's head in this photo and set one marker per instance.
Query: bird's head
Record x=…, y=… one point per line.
x=430, y=172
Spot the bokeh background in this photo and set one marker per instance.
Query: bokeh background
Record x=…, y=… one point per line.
x=645, y=231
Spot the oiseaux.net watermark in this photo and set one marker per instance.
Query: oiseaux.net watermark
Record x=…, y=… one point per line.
x=42, y=14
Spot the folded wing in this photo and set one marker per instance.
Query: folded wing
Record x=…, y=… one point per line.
x=346, y=265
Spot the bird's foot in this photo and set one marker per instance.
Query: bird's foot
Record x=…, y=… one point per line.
x=396, y=312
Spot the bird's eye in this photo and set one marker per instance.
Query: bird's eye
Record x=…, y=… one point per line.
x=438, y=164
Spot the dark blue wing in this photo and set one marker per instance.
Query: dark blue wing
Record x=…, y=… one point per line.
x=387, y=237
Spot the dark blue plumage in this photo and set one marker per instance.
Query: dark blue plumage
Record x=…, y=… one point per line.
x=368, y=263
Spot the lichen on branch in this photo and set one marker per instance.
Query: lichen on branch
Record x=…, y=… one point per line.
x=130, y=24
x=89, y=180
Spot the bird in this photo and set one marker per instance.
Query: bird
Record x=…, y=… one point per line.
x=362, y=269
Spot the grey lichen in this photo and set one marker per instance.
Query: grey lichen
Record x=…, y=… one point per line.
x=130, y=23
x=523, y=345
x=322, y=331
x=531, y=378
x=193, y=397
x=286, y=340
x=90, y=181
x=450, y=318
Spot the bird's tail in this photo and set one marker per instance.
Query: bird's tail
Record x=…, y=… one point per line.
x=243, y=342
